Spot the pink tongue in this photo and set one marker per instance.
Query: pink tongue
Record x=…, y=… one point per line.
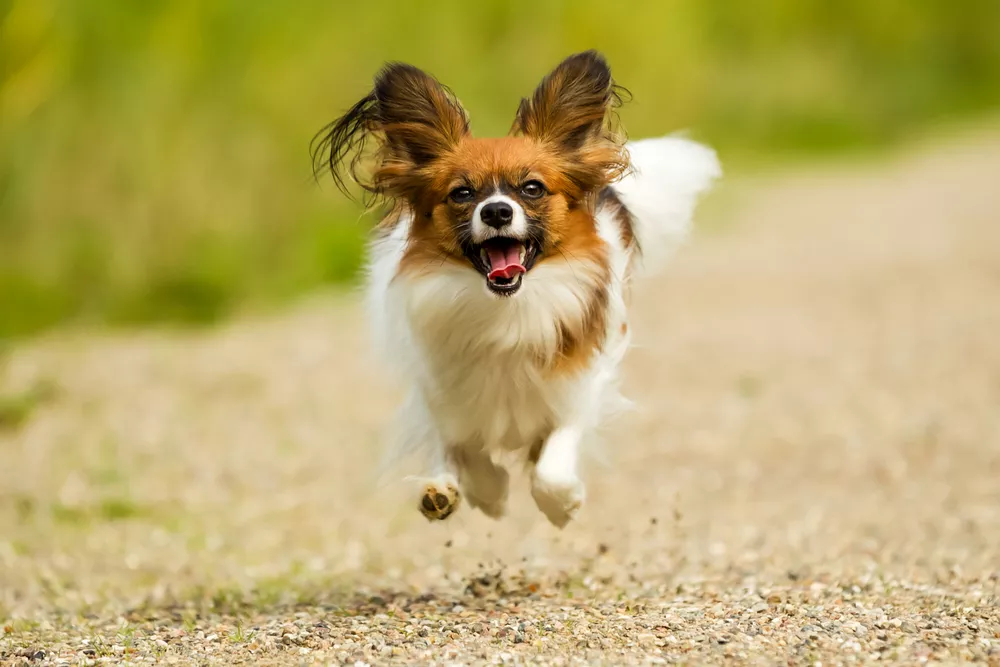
x=504, y=261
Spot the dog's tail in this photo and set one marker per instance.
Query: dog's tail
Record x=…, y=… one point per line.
x=660, y=192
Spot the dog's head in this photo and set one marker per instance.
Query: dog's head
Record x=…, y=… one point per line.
x=498, y=206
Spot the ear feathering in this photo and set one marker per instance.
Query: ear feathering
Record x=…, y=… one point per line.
x=573, y=109
x=413, y=120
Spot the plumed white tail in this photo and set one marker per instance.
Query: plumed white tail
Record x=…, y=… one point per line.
x=668, y=175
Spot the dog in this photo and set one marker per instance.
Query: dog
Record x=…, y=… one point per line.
x=499, y=273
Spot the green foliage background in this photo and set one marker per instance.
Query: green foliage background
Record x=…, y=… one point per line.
x=153, y=154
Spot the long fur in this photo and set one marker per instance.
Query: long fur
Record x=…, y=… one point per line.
x=535, y=372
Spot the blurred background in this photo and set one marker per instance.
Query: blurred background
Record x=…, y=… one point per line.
x=815, y=376
x=154, y=161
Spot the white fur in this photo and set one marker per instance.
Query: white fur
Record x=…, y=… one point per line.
x=517, y=228
x=668, y=175
x=555, y=485
x=473, y=360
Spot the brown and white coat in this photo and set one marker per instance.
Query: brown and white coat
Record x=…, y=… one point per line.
x=497, y=282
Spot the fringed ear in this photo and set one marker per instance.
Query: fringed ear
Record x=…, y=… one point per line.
x=572, y=110
x=414, y=120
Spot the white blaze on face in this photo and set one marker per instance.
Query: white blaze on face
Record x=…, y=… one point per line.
x=517, y=228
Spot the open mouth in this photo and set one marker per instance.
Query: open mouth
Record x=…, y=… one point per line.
x=503, y=261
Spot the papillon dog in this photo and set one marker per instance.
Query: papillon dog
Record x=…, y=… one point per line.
x=498, y=277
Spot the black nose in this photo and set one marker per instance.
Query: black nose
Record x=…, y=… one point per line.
x=497, y=214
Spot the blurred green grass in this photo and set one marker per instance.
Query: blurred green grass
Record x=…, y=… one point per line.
x=153, y=155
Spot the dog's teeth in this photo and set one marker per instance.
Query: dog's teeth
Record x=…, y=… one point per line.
x=521, y=253
x=483, y=255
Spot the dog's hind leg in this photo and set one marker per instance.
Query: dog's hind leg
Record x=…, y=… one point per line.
x=483, y=482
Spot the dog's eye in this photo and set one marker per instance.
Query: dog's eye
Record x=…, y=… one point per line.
x=462, y=195
x=532, y=190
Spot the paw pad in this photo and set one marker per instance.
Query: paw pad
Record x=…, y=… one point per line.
x=438, y=503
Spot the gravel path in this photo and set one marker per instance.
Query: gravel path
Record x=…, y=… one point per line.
x=812, y=476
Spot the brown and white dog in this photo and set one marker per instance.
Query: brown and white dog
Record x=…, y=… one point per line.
x=497, y=280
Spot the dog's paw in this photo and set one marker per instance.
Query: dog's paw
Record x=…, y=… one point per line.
x=439, y=500
x=559, y=498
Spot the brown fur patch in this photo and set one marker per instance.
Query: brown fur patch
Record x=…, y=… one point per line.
x=572, y=233
x=610, y=201
x=430, y=246
x=579, y=343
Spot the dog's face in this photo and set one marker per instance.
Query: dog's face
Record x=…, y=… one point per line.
x=498, y=206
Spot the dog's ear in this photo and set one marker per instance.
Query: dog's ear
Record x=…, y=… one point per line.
x=571, y=110
x=571, y=103
x=413, y=118
x=421, y=119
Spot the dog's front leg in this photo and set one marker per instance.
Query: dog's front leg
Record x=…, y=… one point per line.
x=417, y=431
x=439, y=496
x=555, y=484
